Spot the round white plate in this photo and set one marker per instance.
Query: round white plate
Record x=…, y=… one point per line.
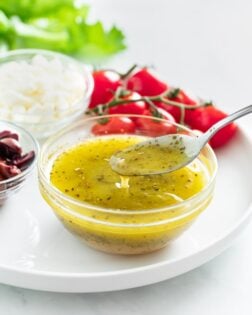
x=36, y=252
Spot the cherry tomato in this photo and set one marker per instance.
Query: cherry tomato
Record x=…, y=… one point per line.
x=137, y=108
x=203, y=118
x=114, y=125
x=105, y=83
x=181, y=97
x=146, y=83
x=154, y=127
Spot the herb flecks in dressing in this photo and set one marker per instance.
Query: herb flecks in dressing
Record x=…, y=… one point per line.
x=84, y=173
x=150, y=157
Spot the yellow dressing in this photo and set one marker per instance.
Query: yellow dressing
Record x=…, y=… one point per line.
x=150, y=157
x=83, y=172
x=123, y=215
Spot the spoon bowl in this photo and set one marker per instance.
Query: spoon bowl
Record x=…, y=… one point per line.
x=156, y=155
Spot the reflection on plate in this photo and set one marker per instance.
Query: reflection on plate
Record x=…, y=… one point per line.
x=38, y=253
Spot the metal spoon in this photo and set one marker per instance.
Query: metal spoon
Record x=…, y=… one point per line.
x=166, y=153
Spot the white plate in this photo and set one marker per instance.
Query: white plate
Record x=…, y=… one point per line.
x=36, y=252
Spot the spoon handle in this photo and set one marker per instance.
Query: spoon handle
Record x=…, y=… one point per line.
x=222, y=123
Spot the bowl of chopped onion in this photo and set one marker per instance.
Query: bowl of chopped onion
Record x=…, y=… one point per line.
x=43, y=91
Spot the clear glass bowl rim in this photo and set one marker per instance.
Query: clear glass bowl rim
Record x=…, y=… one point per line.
x=45, y=180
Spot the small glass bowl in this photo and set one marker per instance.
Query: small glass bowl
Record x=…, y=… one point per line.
x=11, y=185
x=36, y=123
x=120, y=231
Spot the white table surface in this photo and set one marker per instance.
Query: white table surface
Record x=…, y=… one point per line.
x=205, y=46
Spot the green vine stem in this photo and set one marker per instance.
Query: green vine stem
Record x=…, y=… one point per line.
x=123, y=75
x=150, y=100
x=158, y=98
x=126, y=74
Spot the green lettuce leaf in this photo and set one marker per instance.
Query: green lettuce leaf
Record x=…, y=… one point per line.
x=28, y=8
x=57, y=25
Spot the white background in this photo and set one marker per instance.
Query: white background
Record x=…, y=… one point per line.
x=205, y=46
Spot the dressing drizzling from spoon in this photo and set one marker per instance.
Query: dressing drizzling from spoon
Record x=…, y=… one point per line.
x=166, y=153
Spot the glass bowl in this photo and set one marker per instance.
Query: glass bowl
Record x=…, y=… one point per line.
x=11, y=185
x=43, y=121
x=113, y=230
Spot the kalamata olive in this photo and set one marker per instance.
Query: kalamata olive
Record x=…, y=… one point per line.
x=8, y=171
x=24, y=161
x=12, y=162
x=9, y=134
x=9, y=148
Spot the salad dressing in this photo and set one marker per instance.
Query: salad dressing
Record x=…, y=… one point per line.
x=83, y=172
x=133, y=215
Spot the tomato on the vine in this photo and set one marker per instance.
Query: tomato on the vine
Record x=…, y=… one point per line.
x=153, y=127
x=204, y=117
x=146, y=83
x=137, y=107
x=105, y=83
x=178, y=95
x=143, y=83
x=114, y=125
